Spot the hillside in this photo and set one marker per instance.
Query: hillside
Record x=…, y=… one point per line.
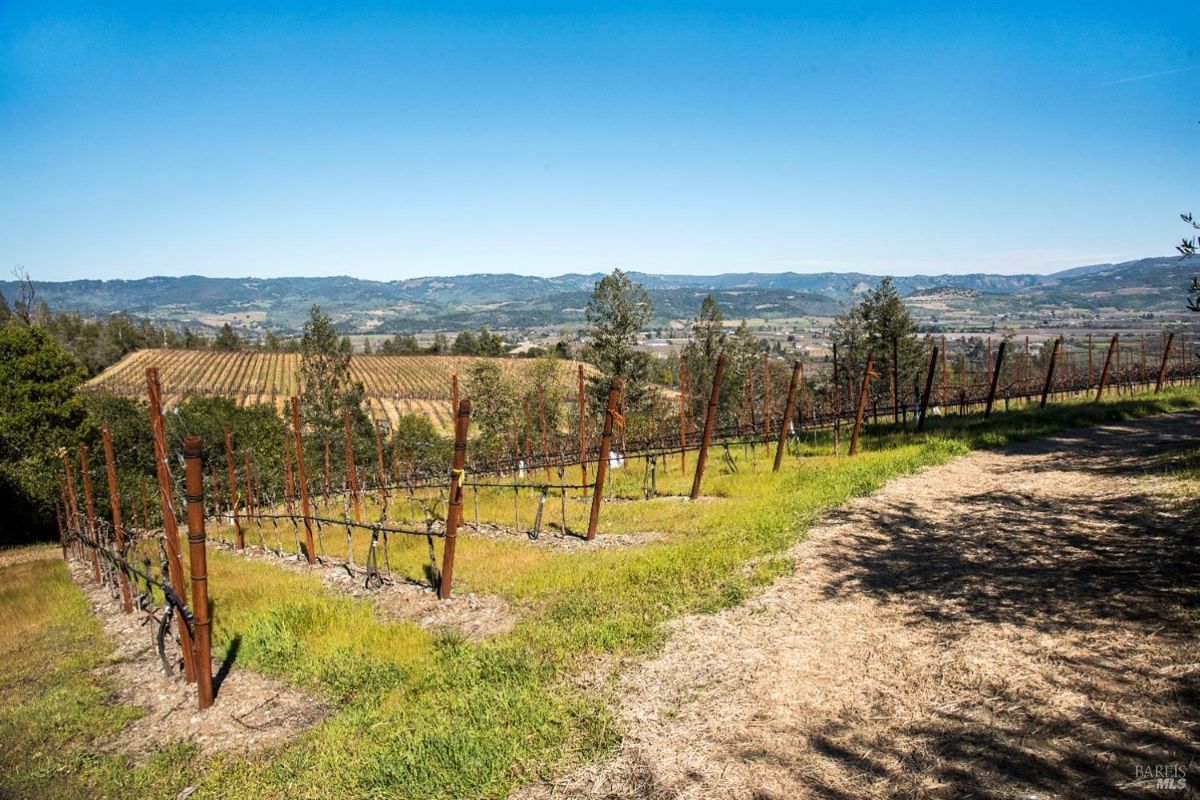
x=509, y=301
x=394, y=385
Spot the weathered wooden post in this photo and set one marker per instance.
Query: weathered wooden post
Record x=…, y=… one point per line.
x=582, y=399
x=945, y=388
x=862, y=404
x=614, y=391
x=542, y=422
x=710, y=420
x=933, y=362
x=683, y=412
x=198, y=558
x=381, y=473
x=233, y=491
x=298, y=440
x=1050, y=373
x=1162, y=370
x=788, y=411
x=251, y=505
x=351, y=470
x=454, y=511
x=114, y=502
x=837, y=403
x=86, y=477
x=327, y=476
x=69, y=495
x=895, y=379
x=170, y=524
x=1112, y=346
x=767, y=394
x=987, y=412
x=62, y=536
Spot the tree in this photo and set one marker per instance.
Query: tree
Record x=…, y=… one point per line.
x=441, y=344
x=325, y=374
x=881, y=326
x=1188, y=248
x=400, y=346
x=39, y=414
x=366, y=346
x=493, y=404
x=271, y=342
x=227, y=339
x=465, y=344
x=616, y=312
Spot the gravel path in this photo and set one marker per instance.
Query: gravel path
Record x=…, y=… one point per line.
x=1019, y=623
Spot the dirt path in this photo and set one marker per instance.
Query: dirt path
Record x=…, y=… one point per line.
x=1014, y=624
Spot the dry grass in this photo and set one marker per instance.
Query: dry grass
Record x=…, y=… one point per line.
x=1017, y=623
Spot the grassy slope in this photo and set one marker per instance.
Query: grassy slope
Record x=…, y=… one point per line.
x=423, y=715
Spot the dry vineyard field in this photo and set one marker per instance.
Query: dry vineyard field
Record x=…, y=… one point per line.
x=395, y=385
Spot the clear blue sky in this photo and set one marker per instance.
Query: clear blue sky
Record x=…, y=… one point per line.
x=294, y=139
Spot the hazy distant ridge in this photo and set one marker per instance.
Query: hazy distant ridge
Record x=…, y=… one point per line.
x=506, y=300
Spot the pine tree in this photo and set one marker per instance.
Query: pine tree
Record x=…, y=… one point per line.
x=701, y=352
x=616, y=312
x=325, y=374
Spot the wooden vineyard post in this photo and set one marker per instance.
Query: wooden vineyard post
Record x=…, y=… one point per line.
x=837, y=404
x=945, y=392
x=933, y=362
x=62, y=536
x=614, y=390
x=198, y=558
x=86, y=477
x=1049, y=373
x=233, y=491
x=788, y=411
x=326, y=485
x=987, y=412
x=298, y=440
x=251, y=505
x=1162, y=370
x=69, y=495
x=289, y=484
x=582, y=398
x=114, y=502
x=381, y=474
x=683, y=406
x=767, y=394
x=454, y=511
x=710, y=420
x=542, y=421
x=1090, y=371
x=862, y=404
x=895, y=379
x=351, y=470
x=1112, y=345
x=170, y=525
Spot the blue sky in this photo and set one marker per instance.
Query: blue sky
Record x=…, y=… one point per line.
x=396, y=140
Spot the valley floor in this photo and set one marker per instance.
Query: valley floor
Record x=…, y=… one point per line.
x=1014, y=623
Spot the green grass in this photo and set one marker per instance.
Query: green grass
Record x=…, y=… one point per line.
x=426, y=715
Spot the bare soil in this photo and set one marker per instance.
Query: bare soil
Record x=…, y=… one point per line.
x=251, y=711
x=554, y=539
x=1018, y=623
x=475, y=617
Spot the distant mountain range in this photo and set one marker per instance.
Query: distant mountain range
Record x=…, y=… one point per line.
x=1146, y=286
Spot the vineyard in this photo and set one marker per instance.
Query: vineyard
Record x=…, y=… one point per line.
x=394, y=385
x=486, y=566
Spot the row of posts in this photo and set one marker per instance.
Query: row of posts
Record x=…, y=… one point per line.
x=195, y=639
